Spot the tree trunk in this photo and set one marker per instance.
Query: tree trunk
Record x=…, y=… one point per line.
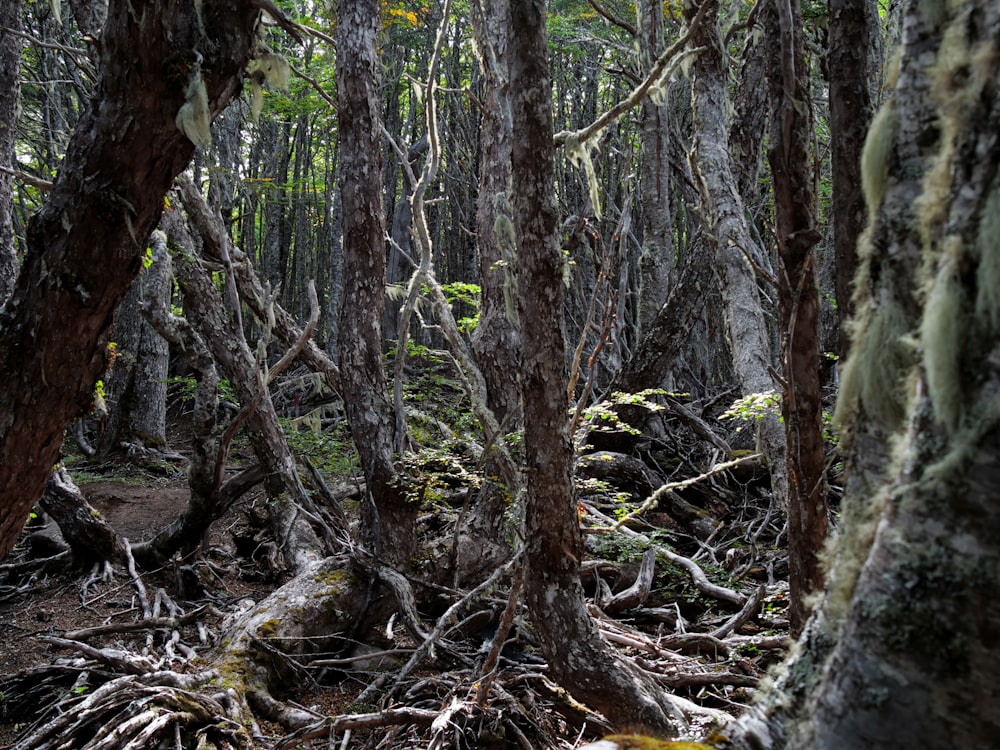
x=577, y=656
x=84, y=246
x=388, y=517
x=789, y=155
x=204, y=306
x=657, y=259
x=10, y=67
x=496, y=340
x=852, y=25
x=899, y=653
x=735, y=252
x=136, y=390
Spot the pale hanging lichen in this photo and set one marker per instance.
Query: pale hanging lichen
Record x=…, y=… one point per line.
x=194, y=118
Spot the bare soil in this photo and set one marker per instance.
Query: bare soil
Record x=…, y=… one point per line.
x=55, y=602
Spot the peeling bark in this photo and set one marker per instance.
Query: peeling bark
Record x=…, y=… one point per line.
x=84, y=246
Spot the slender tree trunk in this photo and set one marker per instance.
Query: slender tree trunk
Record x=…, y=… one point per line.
x=657, y=260
x=10, y=67
x=84, y=246
x=852, y=26
x=789, y=154
x=496, y=340
x=577, y=656
x=389, y=518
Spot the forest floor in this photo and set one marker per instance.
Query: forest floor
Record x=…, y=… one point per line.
x=715, y=672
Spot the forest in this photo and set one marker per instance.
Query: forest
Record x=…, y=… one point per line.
x=499, y=374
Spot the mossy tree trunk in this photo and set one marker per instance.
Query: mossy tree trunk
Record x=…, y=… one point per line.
x=899, y=652
x=84, y=246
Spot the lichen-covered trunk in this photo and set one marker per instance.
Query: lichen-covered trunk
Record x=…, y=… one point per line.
x=388, y=517
x=900, y=652
x=789, y=154
x=577, y=656
x=84, y=245
x=10, y=67
x=735, y=251
x=136, y=389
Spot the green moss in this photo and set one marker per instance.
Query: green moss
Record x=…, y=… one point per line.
x=942, y=337
x=988, y=268
x=876, y=370
x=876, y=155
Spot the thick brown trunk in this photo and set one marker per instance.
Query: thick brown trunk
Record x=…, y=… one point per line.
x=798, y=304
x=577, y=656
x=389, y=518
x=84, y=245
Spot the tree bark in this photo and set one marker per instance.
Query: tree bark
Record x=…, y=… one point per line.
x=10, y=68
x=657, y=259
x=388, y=517
x=736, y=252
x=789, y=155
x=84, y=246
x=899, y=653
x=853, y=23
x=136, y=389
x=577, y=656
x=497, y=339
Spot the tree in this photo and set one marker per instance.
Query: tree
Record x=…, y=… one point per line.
x=853, y=36
x=389, y=517
x=84, y=246
x=577, y=655
x=798, y=302
x=898, y=654
x=10, y=66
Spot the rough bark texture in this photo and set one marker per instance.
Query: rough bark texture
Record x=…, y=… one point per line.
x=496, y=340
x=136, y=390
x=389, y=518
x=10, y=67
x=204, y=306
x=735, y=250
x=900, y=653
x=789, y=154
x=577, y=656
x=84, y=246
x=852, y=25
x=657, y=259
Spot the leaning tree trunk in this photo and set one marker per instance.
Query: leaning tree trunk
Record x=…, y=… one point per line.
x=798, y=303
x=899, y=653
x=389, y=517
x=736, y=252
x=577, y=656
x=84, y=246
x=10, y=67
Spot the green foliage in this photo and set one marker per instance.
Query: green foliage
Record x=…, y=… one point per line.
x=331, y=451
x=466, y=294
x=186, y=387
x=753, y=407
x=602, y=416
